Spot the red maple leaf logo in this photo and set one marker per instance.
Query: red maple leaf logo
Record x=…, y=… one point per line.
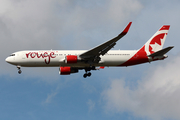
x=157, y=39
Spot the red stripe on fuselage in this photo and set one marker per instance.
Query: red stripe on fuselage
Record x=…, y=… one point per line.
x=138, y=58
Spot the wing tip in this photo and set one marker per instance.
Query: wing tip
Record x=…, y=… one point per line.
x=127, y=28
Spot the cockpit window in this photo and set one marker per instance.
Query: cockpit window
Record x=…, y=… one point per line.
x=12, y=55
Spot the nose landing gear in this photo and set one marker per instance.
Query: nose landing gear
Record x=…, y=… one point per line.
x=19, y=69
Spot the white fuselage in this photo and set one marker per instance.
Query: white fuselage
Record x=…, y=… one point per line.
x=54, y=58
x=71, y=61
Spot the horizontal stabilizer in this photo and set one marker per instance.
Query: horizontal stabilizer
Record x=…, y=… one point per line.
x=161, y=52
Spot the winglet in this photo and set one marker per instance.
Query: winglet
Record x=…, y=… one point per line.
x=105, y=47
x=126, y=29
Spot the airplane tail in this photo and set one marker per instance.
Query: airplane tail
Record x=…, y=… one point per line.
x=152, y=50
x=156, y=42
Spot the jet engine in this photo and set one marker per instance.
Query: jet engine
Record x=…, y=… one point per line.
x=71, y=59
x=67, y=70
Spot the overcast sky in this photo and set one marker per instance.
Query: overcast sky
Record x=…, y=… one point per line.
x=145, y=92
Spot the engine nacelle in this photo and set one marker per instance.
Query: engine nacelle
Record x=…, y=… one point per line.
x=67, y=70
x=71, y=59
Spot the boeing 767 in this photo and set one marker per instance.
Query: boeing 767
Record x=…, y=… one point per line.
x=71, y=61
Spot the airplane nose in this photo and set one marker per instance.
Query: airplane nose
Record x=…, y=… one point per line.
x=10, y=60
x=7, y=59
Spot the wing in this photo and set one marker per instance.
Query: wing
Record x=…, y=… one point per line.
x=93, y=54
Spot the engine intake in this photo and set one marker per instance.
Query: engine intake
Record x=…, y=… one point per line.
x=67, y=70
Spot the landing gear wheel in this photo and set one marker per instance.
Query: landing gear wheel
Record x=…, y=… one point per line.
x=85, y=75
x=89, y=74
x=19, y=71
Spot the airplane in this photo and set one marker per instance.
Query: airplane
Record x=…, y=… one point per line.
x=71, y=61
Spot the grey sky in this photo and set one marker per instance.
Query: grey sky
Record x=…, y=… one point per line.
x=147, y=91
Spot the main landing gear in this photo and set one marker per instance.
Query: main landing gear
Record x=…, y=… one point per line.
x=19, y=69
x=87, y=74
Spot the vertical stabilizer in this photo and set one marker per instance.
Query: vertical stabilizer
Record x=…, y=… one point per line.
x=156, y=42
